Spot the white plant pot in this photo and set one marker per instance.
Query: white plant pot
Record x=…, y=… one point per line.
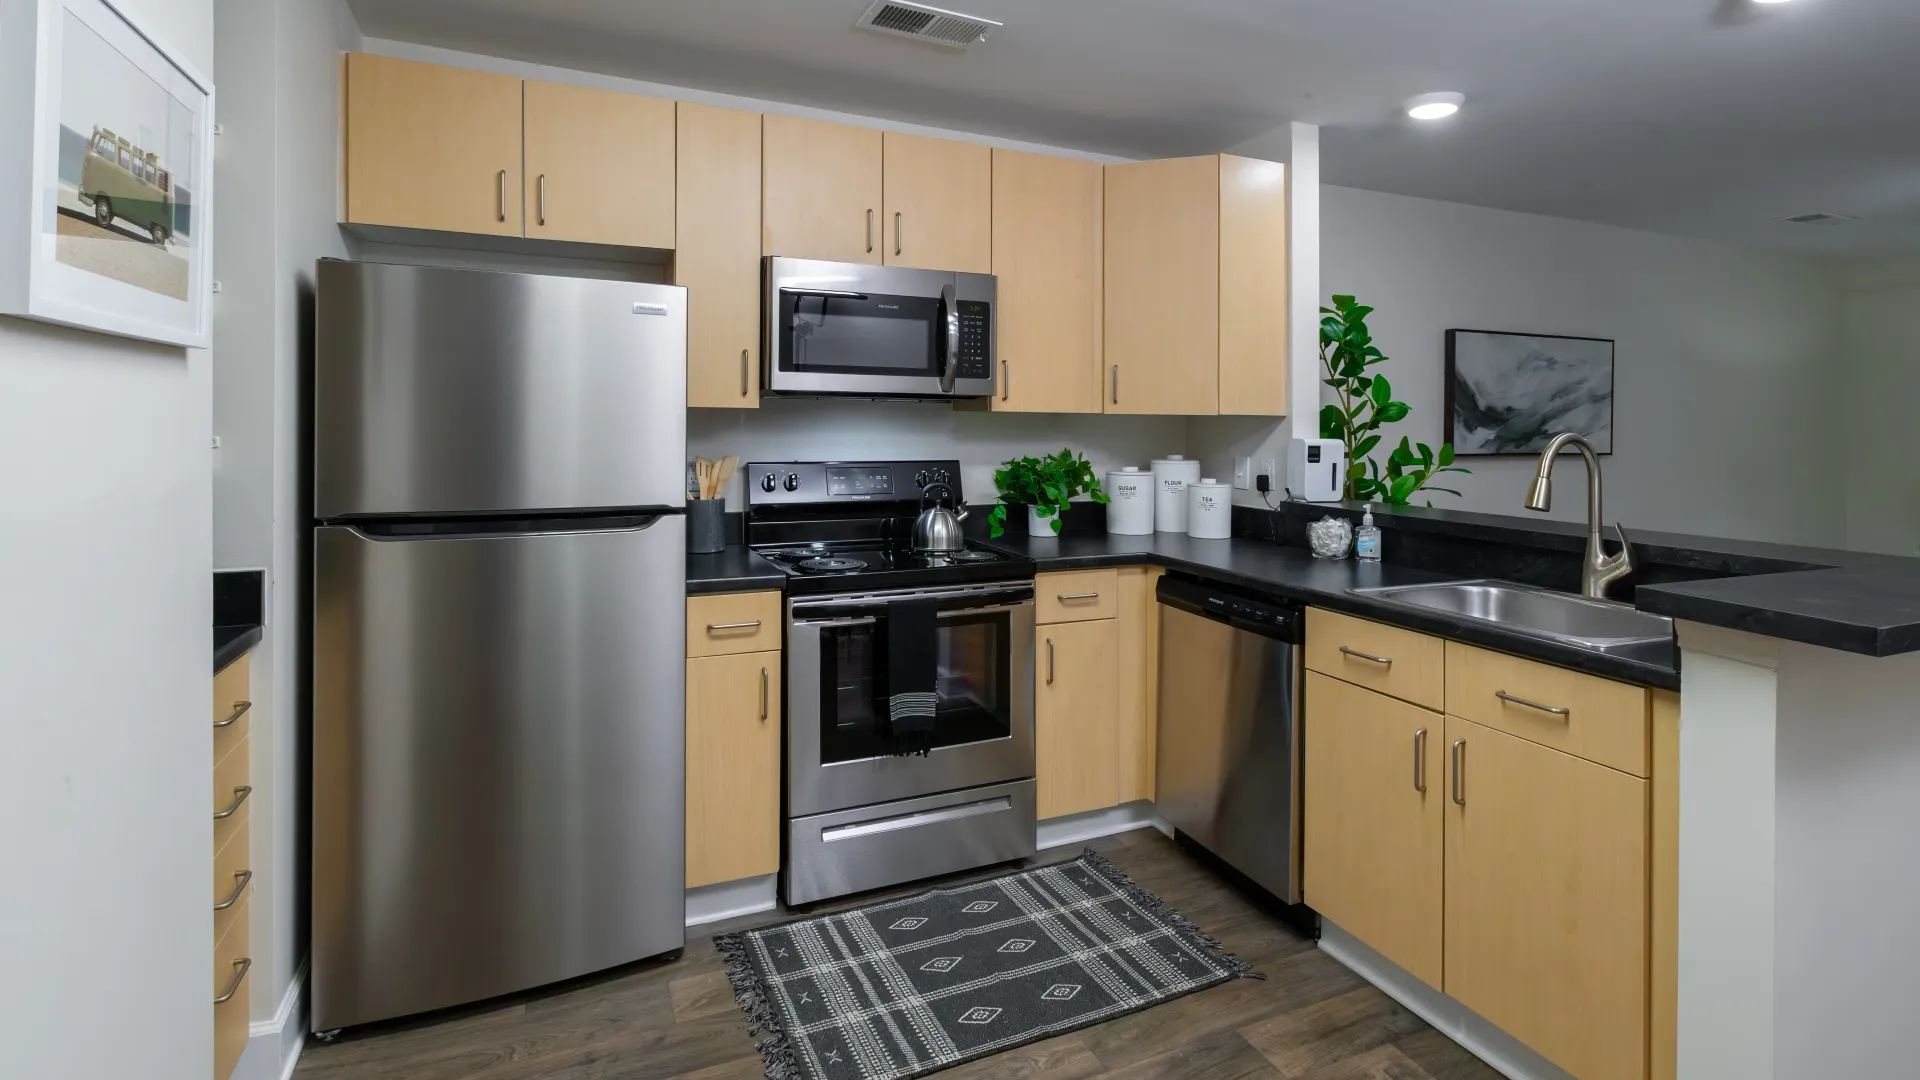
x=1037, y=525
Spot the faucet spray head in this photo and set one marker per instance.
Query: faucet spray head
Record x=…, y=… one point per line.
x=1540, y=496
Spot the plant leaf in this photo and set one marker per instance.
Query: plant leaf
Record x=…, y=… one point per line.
x=1333, y=422
x=1381, y=391
x=1402, y=488
x=1426, y=453
x=1394, y=411
x=1366, y=446
x=1446, y=453
x=1341, y=301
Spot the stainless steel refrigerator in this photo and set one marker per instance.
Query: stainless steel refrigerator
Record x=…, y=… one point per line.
x=499, y=631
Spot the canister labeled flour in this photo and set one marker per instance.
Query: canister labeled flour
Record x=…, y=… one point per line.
x=1171, y=478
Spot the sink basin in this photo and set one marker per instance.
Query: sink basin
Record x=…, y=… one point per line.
x=1602, y=625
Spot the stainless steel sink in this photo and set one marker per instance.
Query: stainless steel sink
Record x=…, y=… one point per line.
x=1602, y=625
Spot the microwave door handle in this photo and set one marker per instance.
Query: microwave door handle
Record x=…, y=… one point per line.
x=825, y=294
x=950, y=341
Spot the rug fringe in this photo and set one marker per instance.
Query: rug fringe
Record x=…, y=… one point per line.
x=1239, y=969
x=750, y=993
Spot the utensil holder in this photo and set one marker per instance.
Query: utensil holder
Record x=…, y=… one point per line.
x=706, y=525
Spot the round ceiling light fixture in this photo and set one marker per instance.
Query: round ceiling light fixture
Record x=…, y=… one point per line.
x=1435, y=106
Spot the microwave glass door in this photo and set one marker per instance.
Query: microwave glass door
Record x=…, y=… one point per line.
x=973, y=684
x=870, y=334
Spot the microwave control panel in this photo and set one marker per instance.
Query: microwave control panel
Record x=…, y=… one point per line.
x=976, y=340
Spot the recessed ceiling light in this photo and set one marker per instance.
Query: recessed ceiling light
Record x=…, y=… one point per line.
x=1769, y=1
x=1435, y=106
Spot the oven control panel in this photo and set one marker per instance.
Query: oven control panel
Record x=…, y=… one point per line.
x=796, y=483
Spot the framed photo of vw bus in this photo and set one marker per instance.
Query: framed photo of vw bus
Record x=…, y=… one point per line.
x=105, y=221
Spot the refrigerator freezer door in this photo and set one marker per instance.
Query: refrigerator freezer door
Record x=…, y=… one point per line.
x=443, y=392
x=498, y=749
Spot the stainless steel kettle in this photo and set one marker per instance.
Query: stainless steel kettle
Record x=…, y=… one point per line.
x=937, y=529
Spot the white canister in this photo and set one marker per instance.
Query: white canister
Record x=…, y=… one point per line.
x=1171, y=478
x=1130, y=511
x=1209, y=510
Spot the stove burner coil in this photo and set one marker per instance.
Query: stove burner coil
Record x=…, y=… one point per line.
x=832, y=563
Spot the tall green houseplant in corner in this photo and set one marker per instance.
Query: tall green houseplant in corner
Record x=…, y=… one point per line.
x=1366, y=405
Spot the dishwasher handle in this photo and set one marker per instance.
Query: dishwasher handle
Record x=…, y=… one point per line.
x=1276, y=619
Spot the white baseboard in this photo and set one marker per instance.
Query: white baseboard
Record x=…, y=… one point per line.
x=274, y=1044
x=1506, y=1054
x=732, y=899
x=1080, y=828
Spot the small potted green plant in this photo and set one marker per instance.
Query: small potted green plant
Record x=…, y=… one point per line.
x=1044, y=485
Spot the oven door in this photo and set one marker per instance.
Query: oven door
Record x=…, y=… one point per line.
x=838, y=745
x=845, y=328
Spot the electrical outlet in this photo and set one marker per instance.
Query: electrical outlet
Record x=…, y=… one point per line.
x=1243, y=473
x=1269, y=469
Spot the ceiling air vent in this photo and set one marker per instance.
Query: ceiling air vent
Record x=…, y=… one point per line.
x=923, y=23
x=1819, y=219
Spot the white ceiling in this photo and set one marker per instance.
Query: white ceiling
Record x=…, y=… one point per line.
x=1700, y=117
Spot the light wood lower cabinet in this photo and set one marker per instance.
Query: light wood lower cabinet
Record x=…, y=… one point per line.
x=1373, y=841
x=232, y=863
x=1547, y=900
x=1076, y=699
x=232, y=964
x=733, y=767
x=717, y=253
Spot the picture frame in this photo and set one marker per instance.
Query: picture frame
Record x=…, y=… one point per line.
x=1508, y=393
x=106, y=219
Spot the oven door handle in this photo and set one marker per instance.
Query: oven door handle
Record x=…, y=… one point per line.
x=810, y=624
x=989, y=597
x=861, y=620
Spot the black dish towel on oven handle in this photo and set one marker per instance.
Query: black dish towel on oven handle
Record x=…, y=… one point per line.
x=913, y=670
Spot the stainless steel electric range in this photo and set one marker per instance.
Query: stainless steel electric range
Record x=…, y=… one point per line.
x=859, y=814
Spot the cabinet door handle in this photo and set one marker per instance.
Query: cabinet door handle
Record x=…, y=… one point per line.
x=1070, y=597
x=1116, y=384
x=239, y=796
x=896, y=232
x=1554, y=709
x=240, y=885
x=1384, y=661
x=540, y=199
x=233, y=987
x=1420, y=761
x=763, y=694
x=869, y=232
x=743, y=373
x=239, y=710
x=1006, y=387
x=1460, y=771
x=1049, y=661
x=713, y=626
x=503, y=194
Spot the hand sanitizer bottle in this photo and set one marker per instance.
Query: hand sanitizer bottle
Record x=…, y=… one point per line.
x=1366, y=538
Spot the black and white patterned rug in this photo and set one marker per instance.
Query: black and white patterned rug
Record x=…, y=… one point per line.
x=909, y=987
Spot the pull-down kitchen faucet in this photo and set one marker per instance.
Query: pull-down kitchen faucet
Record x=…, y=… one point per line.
x=1598, y=569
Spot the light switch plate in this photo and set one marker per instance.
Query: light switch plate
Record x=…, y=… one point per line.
x=1243, y=473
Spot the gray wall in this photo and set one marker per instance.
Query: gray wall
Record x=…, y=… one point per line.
x=1877, y=422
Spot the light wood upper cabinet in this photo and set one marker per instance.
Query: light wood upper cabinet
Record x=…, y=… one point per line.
x=821, y=192
x=599, y=166
x=717, y=256
x=1075, y=701
x=432, y=147
x=733, y=767
x=1046, y=255
x=1373, y=840
x=1195, y=304
x=1547, y=901
x=937, y=203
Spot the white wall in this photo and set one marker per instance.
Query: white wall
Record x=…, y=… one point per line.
x=1883, y=381
x=1726, y=362
x=106, y=690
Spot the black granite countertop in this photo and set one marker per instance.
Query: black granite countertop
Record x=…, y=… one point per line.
x=231, y=642
x=735, y=569
x=1290, y=573
x=239, y=614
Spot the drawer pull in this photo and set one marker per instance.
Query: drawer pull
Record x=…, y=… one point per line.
x=1385, y=661
x=1068, y=598
x=239, y=796
x=244, y=878
x=714, y=627
x=763, y=694
x=239, y=710
x=1049, y=661
x=1554, y=709
x=1420, y=761
x=234, y=987
x=1460, y=771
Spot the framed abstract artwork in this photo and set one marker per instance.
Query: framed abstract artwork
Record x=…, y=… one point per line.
x=105, y=218
x=1511, y=393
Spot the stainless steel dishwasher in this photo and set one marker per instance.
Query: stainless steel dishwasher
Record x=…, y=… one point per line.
x=1229, y=743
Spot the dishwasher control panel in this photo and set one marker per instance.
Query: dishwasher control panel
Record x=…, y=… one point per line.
x=1275, y=619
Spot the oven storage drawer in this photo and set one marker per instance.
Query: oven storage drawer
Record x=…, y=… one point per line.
x=853, y=850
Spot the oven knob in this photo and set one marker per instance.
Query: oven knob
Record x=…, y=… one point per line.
x=766, y=482
x=920, y=478
x=793, y=481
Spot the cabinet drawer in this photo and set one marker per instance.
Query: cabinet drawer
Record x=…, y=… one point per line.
x=232, y=709
x=231, y=793
x=1076, y=596
x=232, y=876
x=1600, y=720
x=231, y=1018
x=733, y=623
x=1399, y=663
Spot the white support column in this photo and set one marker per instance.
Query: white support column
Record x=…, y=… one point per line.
x=1303, y=280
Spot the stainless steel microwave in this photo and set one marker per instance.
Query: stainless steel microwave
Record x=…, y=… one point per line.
x=877, y=331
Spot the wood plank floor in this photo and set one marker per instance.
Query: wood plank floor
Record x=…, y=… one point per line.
x=676, y=1020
